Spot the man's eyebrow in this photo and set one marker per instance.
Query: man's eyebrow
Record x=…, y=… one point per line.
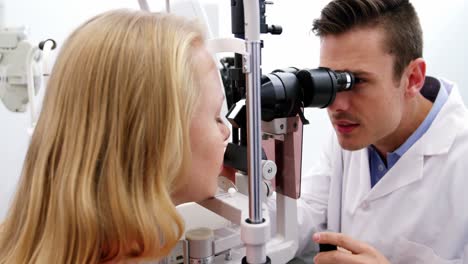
x=361, y=73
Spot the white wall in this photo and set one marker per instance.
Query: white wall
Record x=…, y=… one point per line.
x=445, y=39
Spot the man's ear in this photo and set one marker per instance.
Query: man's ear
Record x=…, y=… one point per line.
x=416, y=74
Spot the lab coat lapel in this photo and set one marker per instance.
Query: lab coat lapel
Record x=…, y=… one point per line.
x=407, y=170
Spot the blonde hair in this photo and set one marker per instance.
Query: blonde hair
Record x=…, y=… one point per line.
x=110, y=146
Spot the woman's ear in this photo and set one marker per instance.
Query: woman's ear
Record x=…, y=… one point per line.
x=416, y=74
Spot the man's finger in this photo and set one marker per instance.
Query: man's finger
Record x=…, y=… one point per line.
x=336, y=256
x=340, y=240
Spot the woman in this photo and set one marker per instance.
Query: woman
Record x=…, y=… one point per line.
x=130, y=127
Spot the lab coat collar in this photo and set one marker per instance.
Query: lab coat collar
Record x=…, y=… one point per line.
x=436, y=141
x=439, y=138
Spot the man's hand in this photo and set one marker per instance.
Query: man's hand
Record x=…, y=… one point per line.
x=349, y=251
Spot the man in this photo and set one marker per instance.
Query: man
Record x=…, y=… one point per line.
x=393, y=185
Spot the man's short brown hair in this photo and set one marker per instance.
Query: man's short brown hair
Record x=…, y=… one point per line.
x=398, y=19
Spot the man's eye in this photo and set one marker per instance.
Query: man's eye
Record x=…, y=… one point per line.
x=359, y=80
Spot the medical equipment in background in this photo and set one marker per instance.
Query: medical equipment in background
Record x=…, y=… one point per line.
x=266, y=113
x=21, y=68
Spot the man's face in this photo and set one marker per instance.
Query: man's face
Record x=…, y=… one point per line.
x=371, y=112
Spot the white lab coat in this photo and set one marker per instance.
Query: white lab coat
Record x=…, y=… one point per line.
x=417, y=213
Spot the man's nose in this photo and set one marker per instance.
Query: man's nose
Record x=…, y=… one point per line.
x=341, y=102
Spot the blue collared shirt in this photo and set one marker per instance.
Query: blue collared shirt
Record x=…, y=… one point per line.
x=376, y=165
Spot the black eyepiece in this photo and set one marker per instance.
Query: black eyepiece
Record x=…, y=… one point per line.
x=345, y=80
x=285, y=92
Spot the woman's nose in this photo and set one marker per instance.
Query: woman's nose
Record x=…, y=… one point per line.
x=226, y=132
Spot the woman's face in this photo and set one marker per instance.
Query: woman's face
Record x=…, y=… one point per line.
x=208, y=134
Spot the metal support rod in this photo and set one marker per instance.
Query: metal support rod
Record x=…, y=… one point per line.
x=144, y=5
x=253, y=70
x=254, y=155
